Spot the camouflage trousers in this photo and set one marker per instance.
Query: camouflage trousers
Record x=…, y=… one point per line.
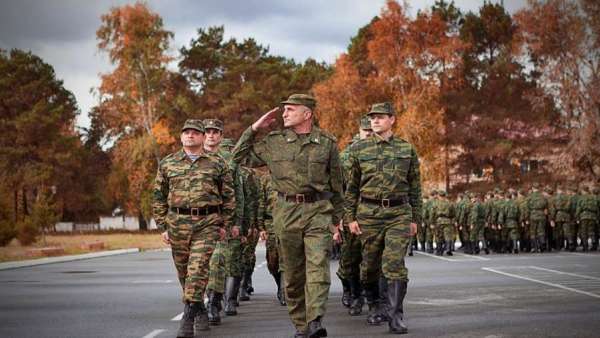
x=193, y=240
x=233, y=258
x=465, y=232
x=477, y=233
x=217, y=273
x=422, y=233
x=350, y=257
x=589, y=229
x=385, y=238
x=510, y=232
x=249, y=252
x=272, y=246
x=568, y=229
x=303, y=231
x=447, y=232
x=537, y=228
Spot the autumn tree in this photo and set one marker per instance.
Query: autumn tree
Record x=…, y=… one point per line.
x=132, y=94
x=407, y=61
x=561, y=40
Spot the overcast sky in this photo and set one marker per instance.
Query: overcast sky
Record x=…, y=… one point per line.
x=63, y=32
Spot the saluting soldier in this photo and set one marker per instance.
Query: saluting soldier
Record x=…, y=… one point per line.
x=307, y=178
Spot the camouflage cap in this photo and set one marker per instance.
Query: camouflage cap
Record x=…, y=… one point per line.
x=213, y=124
x=193, y=124
x=227, y=142
x=443, y=193
x=382, y=108
x=301, y=99
x=365, y=123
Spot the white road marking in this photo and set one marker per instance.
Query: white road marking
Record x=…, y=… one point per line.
x=564, y=273
x=260, y=265
x=166, y=281
x=468, y=258
x=543, y=282
x=177, y=318
x=154, y=333
x=472, y=256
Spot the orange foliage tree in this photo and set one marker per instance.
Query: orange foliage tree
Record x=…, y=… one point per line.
x=409, y=62
x=132, y=95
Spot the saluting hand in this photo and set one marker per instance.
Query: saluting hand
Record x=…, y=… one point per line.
x=266, y=120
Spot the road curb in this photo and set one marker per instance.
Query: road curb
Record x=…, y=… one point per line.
x=53, y=260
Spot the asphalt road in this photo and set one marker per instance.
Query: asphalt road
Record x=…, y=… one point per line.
x=137, y=295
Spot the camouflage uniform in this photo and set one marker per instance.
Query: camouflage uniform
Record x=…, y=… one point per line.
x=477, y=221
x=562, y=213
x=443, y=214
x=248, y=254
x=306, y=175
x=588, y=210
x=510, y=219
x=537, y=205
x=463, y=208
x=383, y=195
x=192, y=199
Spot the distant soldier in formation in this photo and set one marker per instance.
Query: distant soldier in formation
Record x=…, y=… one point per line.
x=443, y=214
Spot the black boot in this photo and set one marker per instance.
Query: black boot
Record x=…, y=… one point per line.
x=249, y=287
x=439, y=249
x=186, y=325
x=410, y=250
x=231, y=287
x=214, y=307
x=396, y=293
x=449, y=248
x=515, y=247
x=200, y=320
x=379, y=314
x=346, y=295
x=244, y=288
x=316, y=329
x=357, y=298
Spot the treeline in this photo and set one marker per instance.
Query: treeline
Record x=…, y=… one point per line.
x=475, y=91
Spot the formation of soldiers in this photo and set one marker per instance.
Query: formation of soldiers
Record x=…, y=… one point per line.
x=300, y=197
x=512, y=221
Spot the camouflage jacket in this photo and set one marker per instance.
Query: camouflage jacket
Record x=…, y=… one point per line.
x=537, y=205
x=477, y=215
x=265, y=202
x=299, y=164
x=588, y=207
x=510, y=214
x=463, y=207
x=182, y=183
x=443, y=212
x=383, y=169
x=563, y=208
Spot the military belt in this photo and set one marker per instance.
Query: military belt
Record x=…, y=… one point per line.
x=267, y=218
x=385, y=202
x=305, y=198
x=203, y=211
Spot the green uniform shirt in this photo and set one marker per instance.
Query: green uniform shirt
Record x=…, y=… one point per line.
x=299, y=164
x=383, y=169
x=183, y=183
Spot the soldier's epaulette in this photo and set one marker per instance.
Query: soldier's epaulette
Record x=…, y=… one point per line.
x=275, y=132
x=328, y=135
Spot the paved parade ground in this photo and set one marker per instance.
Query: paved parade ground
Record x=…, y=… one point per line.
x=136, y=295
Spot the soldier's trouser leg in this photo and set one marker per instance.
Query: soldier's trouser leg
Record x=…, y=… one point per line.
x=305, y=241
x=570, y=235
x=272, y=254
x=192, y=245
x=540, y=228
x=449, y=237
x=233, y=257
x=585, y=230
x=217, y=274
x=349, y=264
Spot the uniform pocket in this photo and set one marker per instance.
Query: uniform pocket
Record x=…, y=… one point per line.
x=281, y=164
